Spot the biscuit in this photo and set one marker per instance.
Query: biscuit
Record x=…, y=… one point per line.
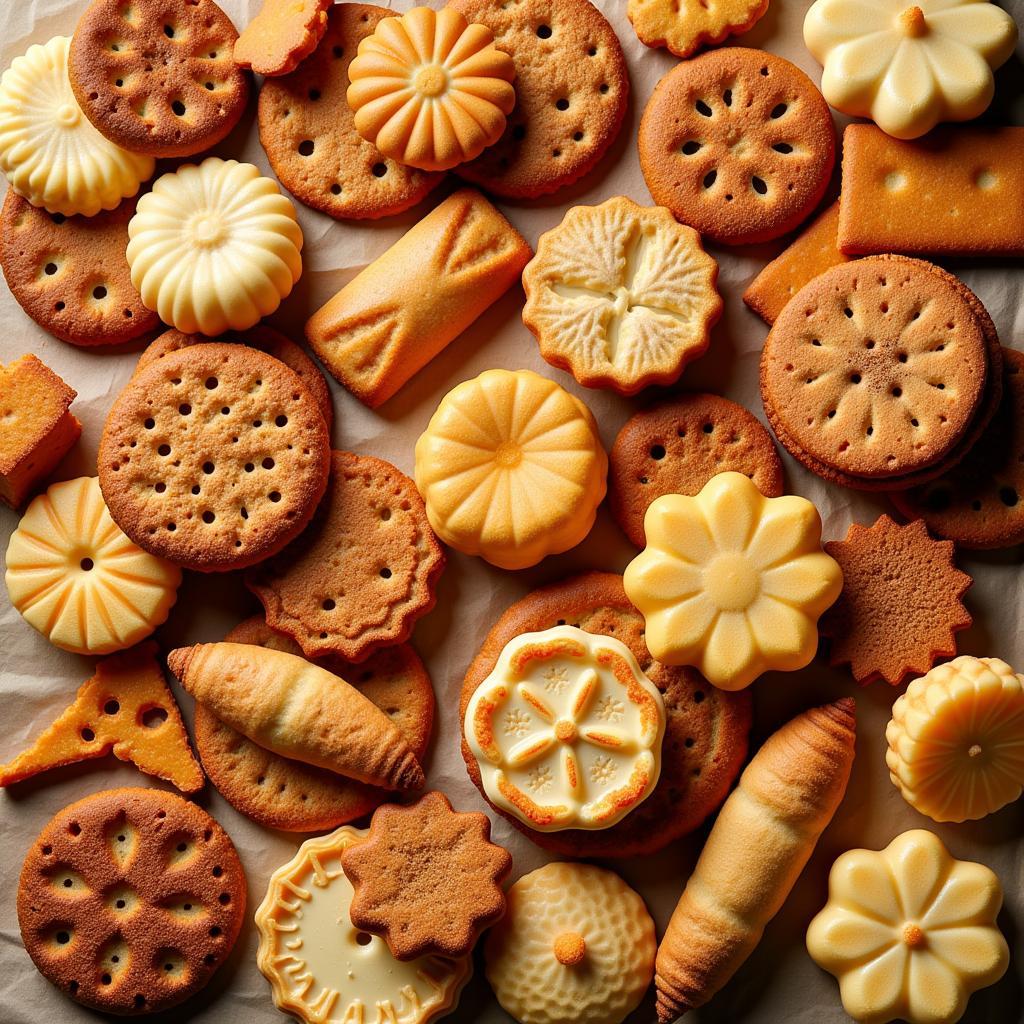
x=399, y=312
x=706, y=729
x=955, y=191
x=678, y=446
x=684, y=29
x=214, y=457
x=427, y=878
x=307, y=130
x=158, y=78
x=738, y=144
x=130, y=899
x=572, y=88
x=622, y=296
x=282, y=34
x=69, y=273
x=277, y=792
x=901, y=602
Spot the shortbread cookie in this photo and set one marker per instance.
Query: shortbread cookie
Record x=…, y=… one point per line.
x=79, y=580
x=901, y=602
x=684, y=29
x=677, y=447
x=363, y=572
x=429, y=89
x=125, y=709
x=70, y=274
x=572, y=88
x=214, y=247
x=706, y=729
x=738, y=144
x=319, y=965
x=158, y=78
x=130, y=899
x=576, y=944
x=214, y=457
x=51, y=154
x=283, y=33
x=621, y=296
x=307, y=130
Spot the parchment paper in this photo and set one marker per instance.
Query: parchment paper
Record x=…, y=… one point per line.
x=779, y=983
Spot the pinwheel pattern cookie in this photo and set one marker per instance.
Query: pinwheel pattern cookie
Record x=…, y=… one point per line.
x=621, y=296
x=431, y=90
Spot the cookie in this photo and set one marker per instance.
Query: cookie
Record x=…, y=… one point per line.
x=307, y=130
x=706, y=729
x=362, y=573
x=282, y=34
x=684, y=29
x=622, y=296
x=69, y=273
x=215, y=457
x=901, y=602
x=678, y=446
x=158, y=78
x=738, y=144
x=572, y=88
x=277, y=792
x=427, y=878
x=130, y=899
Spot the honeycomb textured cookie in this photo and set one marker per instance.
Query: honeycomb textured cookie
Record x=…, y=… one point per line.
x=621, y=296
x=51, y=154
x=577, y=944
x=684, y=29
x=76, y=578
x=283, y=33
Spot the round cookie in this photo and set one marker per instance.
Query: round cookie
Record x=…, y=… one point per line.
x=738, y=144
x=308, y=132
x=277, y=792
x=678, y=446
x=158, y=78
x=130, y=899
x=70, y=273
x=215, y=457
x=572, y=87
x=706, y=729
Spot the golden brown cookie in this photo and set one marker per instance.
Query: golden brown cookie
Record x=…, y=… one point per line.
x=706, y=729
x=677, y=447
x=70, y=273
x=427, y=878
x=363, y=572
x=283, y=33
x=900, y=606
x=738, y=144
x=572, y=87
x=157, y=76
x=277, y=792
x=307, y=130
x=215, y=457
x=130, y=899
x=686, y=28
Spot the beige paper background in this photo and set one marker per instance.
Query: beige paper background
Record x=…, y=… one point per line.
x=779, y=982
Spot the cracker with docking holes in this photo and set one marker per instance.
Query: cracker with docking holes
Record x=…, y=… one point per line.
x=685, y=28
x=283, y=33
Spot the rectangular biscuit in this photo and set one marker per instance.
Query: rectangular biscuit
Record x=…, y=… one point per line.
x=399, y=312
x=956, y=191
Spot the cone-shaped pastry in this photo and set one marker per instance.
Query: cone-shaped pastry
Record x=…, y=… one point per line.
x=298, y=710
x=763, y=837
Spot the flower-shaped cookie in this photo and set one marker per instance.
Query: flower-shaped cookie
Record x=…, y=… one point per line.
x=909, y=64
x=214, y=247
x=732, y=582
x=511, y=468
x=429, y=89
x=621, y=296
x=909, y=932
x=566, y=730
x=49, y=150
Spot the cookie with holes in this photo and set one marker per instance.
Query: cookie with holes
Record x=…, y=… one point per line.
x=158, y=78
x=130, y=900
x=572, y=87
x=678, y=446
x=214, y=457
x=738, y=144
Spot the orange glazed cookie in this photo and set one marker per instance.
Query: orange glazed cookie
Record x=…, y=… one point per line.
x=738, y=144
x=900, y=606
x=283, y=33
x=686, y=28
